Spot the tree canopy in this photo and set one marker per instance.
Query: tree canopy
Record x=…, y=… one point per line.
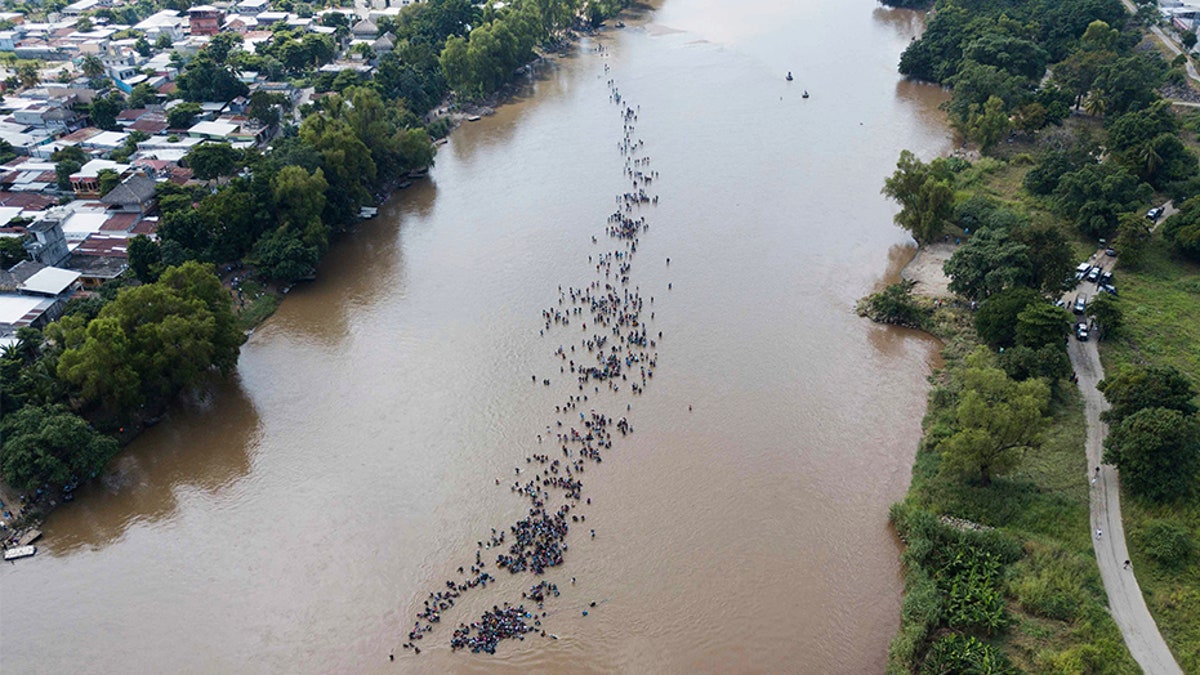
x=1135, y=389
x=998, y=420
x=925, y=193
x=150, y=341
x=1157, y=451
x=49, y=444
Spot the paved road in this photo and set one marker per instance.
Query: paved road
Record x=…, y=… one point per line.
x=1171, y=45
x=1125, y=600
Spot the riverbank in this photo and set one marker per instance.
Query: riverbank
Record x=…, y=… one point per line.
x=926, y=270
x=1024, y=588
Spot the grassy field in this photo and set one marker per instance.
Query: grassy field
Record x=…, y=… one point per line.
x=1162, y=316
x=1053, y=599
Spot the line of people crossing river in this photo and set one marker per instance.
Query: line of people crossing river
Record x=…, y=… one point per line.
x=614, y=350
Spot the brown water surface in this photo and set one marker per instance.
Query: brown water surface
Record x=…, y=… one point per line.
x=294, y=519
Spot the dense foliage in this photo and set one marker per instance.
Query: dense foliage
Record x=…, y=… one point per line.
x=111, y=357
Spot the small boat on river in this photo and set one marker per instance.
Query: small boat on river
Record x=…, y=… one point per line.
x=19, y=552
x=789, y=76
x=805, y=95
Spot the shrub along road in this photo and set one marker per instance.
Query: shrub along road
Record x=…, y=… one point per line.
x=1125, y=599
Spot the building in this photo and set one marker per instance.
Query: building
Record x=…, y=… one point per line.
x=48, y=244
x=51, y=282
x=167, y=22
x=86, y=181
x=205, y=20
x=134, y=195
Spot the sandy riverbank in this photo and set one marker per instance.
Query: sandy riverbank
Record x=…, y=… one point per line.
x=925, y=268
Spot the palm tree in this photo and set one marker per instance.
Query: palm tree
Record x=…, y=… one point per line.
x=1094, y=104
x=1149, y=158
x=92, y=66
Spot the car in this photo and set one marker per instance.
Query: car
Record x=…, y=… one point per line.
x=1106, y=278
x=1093, y=275
x=1109, y=288
x=1081, y=332
x=1155, y=213
x=1060, y=303
x=1110, y=252
x=1081, y=270
x=1080, y=304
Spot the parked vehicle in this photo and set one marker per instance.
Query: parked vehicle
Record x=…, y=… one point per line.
x=1081, y=270
x=1080, y=305
x=1154, y=214
x=1110, y=252
x=1109, y=288
x=1081, y=332
x=1094, y=274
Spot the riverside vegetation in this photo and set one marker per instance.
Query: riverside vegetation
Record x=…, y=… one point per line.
x=1000, y=572
x=69, y=393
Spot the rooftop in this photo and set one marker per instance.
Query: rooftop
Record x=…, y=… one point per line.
x=50, y=281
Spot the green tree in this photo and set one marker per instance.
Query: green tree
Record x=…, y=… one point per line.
x=1051, y=258
x=50, y=445
x=221, y=45
x=284, y=256
x=1138, y=388
x=998, y=420
x=107, y=179
x=988, y=263
x=927, y=200
x=145, y=259
x=28, y=74
x=299, y=196
x=92, y=66
x=11, y=252
x=896, y=305
x=67, y=160
x=265, y=107
x=105, y=109
x=207, y=80
x=1130, y=82
x=996, y=320
x=1105, y=309
x=1042, y=324
x=989, y=123
x=209, y=161
x=1157, y=451
x=1182, y=230
x=1048, y=361
x=1095, y=194
x=183, y=115
x=142, y=95
x=151, y=340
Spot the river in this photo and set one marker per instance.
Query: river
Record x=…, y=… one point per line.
x=293, y=519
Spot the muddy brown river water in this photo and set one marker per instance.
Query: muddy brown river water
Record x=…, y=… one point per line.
x=294, y=519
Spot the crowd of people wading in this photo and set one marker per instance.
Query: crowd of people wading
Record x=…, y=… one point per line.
x=613, y=350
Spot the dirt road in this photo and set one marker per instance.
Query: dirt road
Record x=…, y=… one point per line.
x=1125, y=599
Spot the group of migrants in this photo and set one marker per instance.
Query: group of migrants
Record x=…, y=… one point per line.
x=617, y=352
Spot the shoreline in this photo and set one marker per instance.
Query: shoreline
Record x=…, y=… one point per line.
x=31, y=514
x=925, y=270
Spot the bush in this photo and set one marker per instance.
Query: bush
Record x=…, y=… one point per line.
x=896, y=305
x=1168, y=544
x=1050, y=584
x=955, y=653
